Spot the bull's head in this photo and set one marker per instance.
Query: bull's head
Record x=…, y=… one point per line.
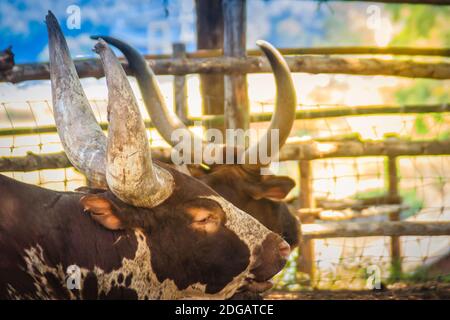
x=197, y=242
x=243, y=185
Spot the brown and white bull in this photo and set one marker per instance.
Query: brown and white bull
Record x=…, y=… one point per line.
x=151, y=232
x=243, y=185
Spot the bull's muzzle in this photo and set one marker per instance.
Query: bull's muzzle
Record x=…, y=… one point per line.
x=270, y=258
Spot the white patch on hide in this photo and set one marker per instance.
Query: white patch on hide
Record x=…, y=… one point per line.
x=144, y=282
x=247, y=228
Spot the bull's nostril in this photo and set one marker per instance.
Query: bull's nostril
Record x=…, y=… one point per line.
x=284, y=249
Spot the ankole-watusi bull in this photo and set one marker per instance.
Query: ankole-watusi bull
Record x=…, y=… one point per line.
x=151, y=233
x=259, y=195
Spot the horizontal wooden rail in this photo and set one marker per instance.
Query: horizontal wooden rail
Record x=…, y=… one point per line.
x=333, y=112
x=440, y=52
x=400, y=51
x=59, y=160
x=358, y=204
x=314, y=113
x=350, y=214
x=304, y=150
x=310, y=150
x=308, y=64
x=32, y=162
x=371, y=229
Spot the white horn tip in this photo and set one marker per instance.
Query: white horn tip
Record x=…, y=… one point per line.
x=262, y=43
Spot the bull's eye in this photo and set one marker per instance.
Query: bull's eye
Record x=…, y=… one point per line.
x=208, y=219
x=204, y=220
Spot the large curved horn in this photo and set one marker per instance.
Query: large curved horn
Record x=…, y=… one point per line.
x=165, y=120
x=284, y=114
x=130, y=173
x=162, y=116
x=81, y=136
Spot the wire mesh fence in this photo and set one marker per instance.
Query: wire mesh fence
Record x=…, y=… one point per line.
x=423, y=183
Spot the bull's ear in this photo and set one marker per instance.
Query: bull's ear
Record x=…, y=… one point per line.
x=101, y=210
x=270, y=187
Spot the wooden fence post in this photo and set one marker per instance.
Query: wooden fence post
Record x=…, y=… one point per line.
x=306, y=261
x=6, y=59
x=396, y=256
x=180, y=85
x=210, y=36
x=236, y=97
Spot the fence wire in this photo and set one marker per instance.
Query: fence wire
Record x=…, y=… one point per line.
x=339, y=263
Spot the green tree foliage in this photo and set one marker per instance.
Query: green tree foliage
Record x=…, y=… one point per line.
x=425, y=91
x=421, y=23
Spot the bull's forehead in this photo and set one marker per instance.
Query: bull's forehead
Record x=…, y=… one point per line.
x=247, y=228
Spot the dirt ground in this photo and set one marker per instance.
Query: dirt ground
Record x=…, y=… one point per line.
x=423, y=291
